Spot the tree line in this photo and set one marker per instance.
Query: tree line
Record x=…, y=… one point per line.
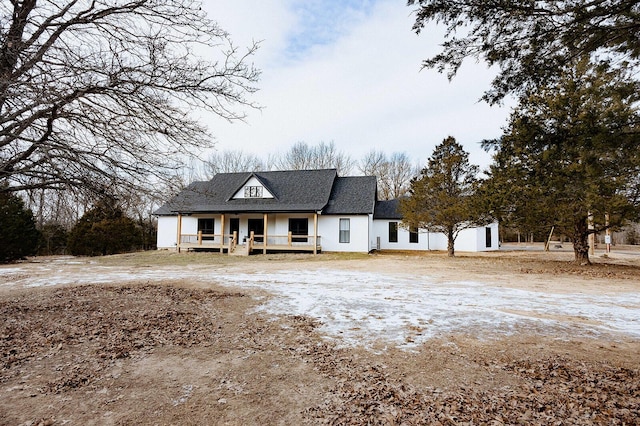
x=104, y=229
x=394, y=171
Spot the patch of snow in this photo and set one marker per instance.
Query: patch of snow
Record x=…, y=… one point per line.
x=6, y=271
x=360, y=308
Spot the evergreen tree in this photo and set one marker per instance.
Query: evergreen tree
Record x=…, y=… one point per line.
x=442, y=198
x=104, y=230
x=18, y=233
x=571, y=150
x=529, y=42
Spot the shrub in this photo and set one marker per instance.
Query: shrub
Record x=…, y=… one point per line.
x=104, y=230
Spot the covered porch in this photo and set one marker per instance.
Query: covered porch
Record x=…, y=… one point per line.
x=244, y=234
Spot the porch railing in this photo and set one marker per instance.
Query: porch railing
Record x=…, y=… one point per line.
x=283, y=241
x=291, y=240
x=209, y=240
x=230, y=241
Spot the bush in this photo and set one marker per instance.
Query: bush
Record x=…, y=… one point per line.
x=18, y=233
x=104, y=230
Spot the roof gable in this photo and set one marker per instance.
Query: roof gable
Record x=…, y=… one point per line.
x=253, y=187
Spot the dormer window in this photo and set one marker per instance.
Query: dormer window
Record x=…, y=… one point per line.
x=254, y=188
x=252, y=192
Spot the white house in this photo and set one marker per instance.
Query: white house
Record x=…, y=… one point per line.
x=297, y=210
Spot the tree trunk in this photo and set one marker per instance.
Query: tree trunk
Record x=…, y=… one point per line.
x=450, y=243
x=581, y=243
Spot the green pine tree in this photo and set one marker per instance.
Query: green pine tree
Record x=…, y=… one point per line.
x=18, y=233
x=442, y=198
x=571, y=149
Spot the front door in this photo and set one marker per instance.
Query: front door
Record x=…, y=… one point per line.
x=257, y=226
x=234, y=226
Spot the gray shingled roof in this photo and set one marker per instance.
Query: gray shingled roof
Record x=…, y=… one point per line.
x=294, y=191
x=388, y=209
x=352, y=195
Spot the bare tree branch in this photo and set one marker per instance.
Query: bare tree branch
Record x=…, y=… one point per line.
x=302, y=156
x=98, y=94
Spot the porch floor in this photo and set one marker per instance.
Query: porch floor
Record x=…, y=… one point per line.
x=255, y=247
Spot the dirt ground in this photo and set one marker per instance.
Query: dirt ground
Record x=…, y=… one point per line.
x=183, y=351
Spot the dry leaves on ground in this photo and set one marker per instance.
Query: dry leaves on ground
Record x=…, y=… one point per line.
x=83, y=331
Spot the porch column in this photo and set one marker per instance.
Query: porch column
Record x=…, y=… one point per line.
x=266, y=225
x=222, y=232
x=179, y=232
x=315, y=233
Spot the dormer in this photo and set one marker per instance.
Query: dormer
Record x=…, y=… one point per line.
x=253, y=188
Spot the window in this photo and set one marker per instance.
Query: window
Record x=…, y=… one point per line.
x=413, y=235
x=257, y=227
x=345, y=230
x=299, y=226
x=393, y=232
x=206, y=226
x=488, y=236
x=252, y=192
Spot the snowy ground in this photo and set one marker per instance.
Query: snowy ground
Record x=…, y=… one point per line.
x=360, y=307
x=363, y=308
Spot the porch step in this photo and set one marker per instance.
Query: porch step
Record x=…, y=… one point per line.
x=239, y=251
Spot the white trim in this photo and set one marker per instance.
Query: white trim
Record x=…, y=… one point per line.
x=252, y=182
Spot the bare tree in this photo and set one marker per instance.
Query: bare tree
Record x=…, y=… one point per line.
x=231, y=161
x=62, y=208
x=400, y=171
x=97, y=94
x=299, y=157
x=302, y=156
x=394, y=173
x=373, y=163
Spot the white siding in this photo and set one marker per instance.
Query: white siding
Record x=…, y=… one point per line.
x=190, y=224
x=472, y=239
x=381, y=229
x=329, y=230
x=167, y=232
x=279, y=223
x=363, y=233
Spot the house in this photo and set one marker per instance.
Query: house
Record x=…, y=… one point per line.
x=296, y=210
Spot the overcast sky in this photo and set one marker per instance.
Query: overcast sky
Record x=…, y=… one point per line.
x=348, y=71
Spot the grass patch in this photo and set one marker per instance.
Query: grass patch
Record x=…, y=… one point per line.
x=165, y=257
